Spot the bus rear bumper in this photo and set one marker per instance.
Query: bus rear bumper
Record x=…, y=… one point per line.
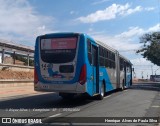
x=65, y=88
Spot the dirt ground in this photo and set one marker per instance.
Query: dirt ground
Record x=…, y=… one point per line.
x=20, y=75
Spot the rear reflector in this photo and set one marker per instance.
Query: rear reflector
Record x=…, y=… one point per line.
x=83, y=74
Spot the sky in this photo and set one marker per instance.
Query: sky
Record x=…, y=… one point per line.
x=118, y=23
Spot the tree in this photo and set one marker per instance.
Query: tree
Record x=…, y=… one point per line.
x=151, y=47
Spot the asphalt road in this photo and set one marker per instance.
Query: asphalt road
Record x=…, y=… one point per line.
x=140, y=100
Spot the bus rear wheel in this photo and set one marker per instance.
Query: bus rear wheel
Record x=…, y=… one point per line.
x=102, y=92
x=123, y=87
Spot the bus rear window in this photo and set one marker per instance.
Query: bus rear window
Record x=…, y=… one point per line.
x=58, y=50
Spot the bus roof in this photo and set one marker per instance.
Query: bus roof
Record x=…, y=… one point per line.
x=113, y=50
x=125, y=59
x=106, y=46
x=98, y=42
x=60, y=33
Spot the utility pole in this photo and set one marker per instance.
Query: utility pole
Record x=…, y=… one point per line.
x=134, y=75
x=142, y=74
x=152, y=69
x=3, y=53
x=156, y=70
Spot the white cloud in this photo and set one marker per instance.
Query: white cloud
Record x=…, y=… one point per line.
x=141, y=61
x=137, y=32
x=109, y=13
x=20, y=22
x=131, y=11
x=125, y=41
x=133, y=31
x=119, y=43
x=100, y=2
x=149, y=8
x=154, y=28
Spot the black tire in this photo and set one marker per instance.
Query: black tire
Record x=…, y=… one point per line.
x=102, y=92
x=122, y=88
x=130, y=82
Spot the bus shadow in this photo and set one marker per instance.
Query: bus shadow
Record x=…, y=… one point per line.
x=48, y=101
x=43, y=101
x=77, y=101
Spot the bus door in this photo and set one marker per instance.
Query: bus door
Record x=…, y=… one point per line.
x=95, y=68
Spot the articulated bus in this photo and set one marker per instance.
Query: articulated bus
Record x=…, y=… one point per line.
x=75, y=63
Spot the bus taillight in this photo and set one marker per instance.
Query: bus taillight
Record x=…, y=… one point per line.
x=35, y=76
x=83, y=74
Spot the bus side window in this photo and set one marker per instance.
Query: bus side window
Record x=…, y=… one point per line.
x=94, y=61
x=89, y=51
x=121, y=64
x=101, y=56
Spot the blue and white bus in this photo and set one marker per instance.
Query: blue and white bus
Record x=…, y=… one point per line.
x=75, y=63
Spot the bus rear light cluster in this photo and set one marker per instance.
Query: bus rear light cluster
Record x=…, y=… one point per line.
x=83, y=74
x=35, y=76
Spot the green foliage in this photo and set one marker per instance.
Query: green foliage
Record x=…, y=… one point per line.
x=151, y=47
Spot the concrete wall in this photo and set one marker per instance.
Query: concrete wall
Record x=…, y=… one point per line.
x=16, y=68
x=15, y=83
